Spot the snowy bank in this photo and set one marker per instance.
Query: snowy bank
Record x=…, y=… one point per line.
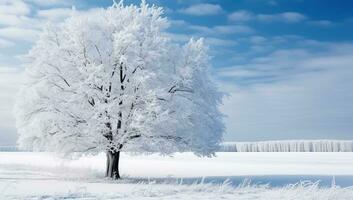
x=289, y=146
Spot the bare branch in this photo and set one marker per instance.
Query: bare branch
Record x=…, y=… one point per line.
x=175, y=89
x=99, y=53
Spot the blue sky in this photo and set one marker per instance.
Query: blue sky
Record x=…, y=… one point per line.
x=287, y=66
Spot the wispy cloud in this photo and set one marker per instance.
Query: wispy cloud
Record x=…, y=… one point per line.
x=21, y=20
x=272, y=3
x=188, y=1
x=55, y=14
x=257, y=39
x=220, y=42
x=15, y=21
x=6, y=43
x=19, y=27
x=225, y=29
x=49, y=3
x=19, y=33
x=213, y=30
x=211, y=41
x=241, y=15
x=231, y=29
x=17, y=7
x=202, y=9
x=321, y=23
x=288, y=17
x=10, y=79
x=291, y=92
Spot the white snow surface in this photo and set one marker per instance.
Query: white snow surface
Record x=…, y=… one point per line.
x=289, y=146
x=25, y=175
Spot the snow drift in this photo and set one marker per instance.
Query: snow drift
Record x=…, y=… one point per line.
x=289, y=146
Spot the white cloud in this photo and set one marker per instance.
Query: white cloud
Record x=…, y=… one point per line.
x=256, y=39
x=16, y=7
x=178, y=23
x=211, y=41
x=188, y=1
x=49, y=2
x=219, y=42
x=238, y=73
x=20, y=21
x=55, y=14
x=10, y=79
x=213, y=34
x=241, y=15
x=231, y=29
x=321, y=23
x=178, y=37
x=272, y=3
x=224, y=29
x=291, y=94
x=16, y=21
x=10, y=19
x=202, y=9
x=19, y=33
x=6, y=43
x=290, y=17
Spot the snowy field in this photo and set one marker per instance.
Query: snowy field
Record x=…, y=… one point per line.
x=25, y=175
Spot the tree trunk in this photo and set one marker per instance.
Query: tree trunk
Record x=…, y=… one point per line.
x=113, y=165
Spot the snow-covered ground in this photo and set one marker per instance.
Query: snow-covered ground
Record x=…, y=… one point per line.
x=26, y=175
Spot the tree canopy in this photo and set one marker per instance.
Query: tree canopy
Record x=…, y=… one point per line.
x=113, y=79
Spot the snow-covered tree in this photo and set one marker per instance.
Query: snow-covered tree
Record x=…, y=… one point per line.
x=110, y=81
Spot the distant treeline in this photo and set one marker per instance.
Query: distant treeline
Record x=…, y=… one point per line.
x=273, y=146
x=9, y=148
x=289, y=146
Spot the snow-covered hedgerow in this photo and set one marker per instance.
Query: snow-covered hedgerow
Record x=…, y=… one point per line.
x=289, y=146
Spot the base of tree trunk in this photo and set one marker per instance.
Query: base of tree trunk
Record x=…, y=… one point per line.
x=113, y=165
